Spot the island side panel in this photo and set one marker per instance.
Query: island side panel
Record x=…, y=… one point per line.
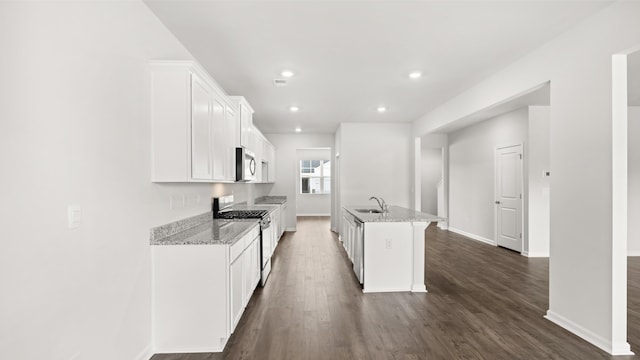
x=388, y=256
x=418, y=256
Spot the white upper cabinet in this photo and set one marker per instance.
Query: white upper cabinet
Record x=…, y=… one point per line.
x=220, y=143
x=201, y=130
x=245, y=122
x=193, y=125
x=196, y=127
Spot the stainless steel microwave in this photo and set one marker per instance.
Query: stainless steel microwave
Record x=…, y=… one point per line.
x=245, y=165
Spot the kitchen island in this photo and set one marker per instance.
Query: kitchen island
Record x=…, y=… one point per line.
x=387, y=249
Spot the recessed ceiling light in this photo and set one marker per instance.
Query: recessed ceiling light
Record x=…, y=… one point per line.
x=298, y=129
x=287, y=73
x=415, y=75
x=294, y=109
x=381, y=109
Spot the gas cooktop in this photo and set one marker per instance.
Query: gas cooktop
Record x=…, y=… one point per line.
x=242, y=214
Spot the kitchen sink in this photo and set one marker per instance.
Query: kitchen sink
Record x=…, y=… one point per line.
x=369, y=211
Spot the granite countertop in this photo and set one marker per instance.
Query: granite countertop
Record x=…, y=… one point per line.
x=202, y=230
x=270, y=207
x=278, y=200
x=395, y=214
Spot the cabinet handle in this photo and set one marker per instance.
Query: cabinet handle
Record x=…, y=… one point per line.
x=497, y=202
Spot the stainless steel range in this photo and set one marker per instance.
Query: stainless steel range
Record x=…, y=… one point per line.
x=223, y=208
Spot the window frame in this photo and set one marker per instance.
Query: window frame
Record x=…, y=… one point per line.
x=322, y=177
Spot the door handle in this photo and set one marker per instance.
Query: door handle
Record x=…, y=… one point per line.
x=497, y=202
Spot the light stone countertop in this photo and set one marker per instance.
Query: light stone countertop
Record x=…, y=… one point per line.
x=395, y=214
x=276, y=200
x=269, y=207
x=202, y=230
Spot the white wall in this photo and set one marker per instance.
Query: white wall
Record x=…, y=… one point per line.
x=582, y=294
x=242, y=192
x=376, y=160
x=539, y=188
x=312, y=204
x=471, y=171
x=75, y=129
x=287, y=164
x=634, y=181
x=431, y=168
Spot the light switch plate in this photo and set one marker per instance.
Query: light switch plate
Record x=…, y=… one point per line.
x=74, y=216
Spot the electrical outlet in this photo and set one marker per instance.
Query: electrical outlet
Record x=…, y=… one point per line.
x=387, y=243
x=74, y=216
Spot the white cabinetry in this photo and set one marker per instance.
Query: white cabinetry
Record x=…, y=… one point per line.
x=224, y=142
x=283, y=218
x=192, y=134
x=201, y=130
x=200, y=292
x=237, y=291
x=268, y=162
x=276, y=223
x=245, y=128
x=349, y=235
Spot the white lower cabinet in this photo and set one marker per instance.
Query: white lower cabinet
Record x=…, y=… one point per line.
x=283, y=218
x=199, y=293
x=348, y=234
x=237, y=291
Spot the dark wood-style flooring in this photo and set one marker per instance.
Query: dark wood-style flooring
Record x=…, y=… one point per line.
x=483, y=303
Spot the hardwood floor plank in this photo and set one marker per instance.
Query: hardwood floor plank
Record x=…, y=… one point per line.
x=483, y=302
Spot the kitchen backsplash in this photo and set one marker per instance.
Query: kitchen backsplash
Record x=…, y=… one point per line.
x=241, y=191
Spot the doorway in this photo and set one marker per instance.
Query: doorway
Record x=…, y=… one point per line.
x=509, y=200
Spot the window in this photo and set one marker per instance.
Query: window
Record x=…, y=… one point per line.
x=315, y=176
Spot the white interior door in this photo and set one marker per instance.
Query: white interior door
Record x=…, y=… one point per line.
x=508, y=185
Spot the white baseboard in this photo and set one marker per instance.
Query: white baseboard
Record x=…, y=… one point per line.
x=442, y=225
x=291, y=229
x=597, y=340
x=535, y=254
x=145, y=354
x=473, y=236
x=185, y=350
x=385, y=290
x=633, y=253
x=317, y=214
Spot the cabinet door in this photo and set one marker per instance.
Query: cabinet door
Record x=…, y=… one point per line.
x=247, y=262
x=257, y=146
x=246, y=121
x=219, y=134
x=237, y=291
x=283, y=219
x=201, y=116
x=251, y=260
x=275, y=221
x=272, y=163
x=256, y=267
x=231, y=144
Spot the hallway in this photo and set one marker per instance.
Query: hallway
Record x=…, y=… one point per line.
x=483, y=303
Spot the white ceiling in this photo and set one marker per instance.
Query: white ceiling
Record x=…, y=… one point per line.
x=351, y=57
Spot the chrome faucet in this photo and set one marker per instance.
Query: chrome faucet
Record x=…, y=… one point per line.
x=383, y=205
